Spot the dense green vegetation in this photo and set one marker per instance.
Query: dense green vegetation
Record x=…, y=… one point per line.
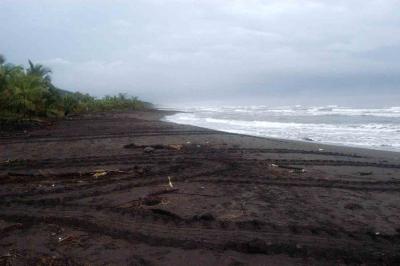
x=28, y=93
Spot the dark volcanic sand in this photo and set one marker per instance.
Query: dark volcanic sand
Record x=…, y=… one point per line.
x=73, y=193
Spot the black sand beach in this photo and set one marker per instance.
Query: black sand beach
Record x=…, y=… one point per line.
x=129, y=189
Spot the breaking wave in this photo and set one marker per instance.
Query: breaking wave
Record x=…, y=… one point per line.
x=369, y=128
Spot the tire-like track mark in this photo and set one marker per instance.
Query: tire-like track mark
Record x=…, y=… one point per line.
x=159, y=234
x=389, y=186
x=165, y=157
x=67, y=138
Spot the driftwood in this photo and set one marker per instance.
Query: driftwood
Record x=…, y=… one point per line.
x=293, y=168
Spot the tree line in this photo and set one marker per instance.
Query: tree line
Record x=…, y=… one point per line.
x=28, y=93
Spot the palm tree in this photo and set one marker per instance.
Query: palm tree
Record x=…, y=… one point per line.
x=39, y=70
x=29, y=91
x=8, y=75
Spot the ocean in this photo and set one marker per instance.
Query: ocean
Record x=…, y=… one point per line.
x=377, y=128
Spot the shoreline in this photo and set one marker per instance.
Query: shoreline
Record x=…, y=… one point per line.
x=117, y=188
x=303, y=142
x=369, y=147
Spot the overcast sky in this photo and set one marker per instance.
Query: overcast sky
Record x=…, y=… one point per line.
x=183, y=51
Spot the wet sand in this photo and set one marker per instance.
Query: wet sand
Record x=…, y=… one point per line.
x=129, y=189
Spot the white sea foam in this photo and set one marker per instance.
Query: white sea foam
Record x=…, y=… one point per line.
x=371, y=128
x=301, y=110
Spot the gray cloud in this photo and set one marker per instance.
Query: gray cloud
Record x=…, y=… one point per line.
x=181, y=51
